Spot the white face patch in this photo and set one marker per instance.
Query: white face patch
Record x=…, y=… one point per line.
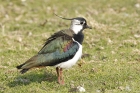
x=76, y=26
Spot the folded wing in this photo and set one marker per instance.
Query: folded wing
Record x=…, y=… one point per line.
x=57, y=49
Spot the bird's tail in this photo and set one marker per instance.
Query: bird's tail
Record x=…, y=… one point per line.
x=23, y=70
x=28, y=65
x=19, y=67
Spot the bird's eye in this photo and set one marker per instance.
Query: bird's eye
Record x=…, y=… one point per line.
x=81, y=23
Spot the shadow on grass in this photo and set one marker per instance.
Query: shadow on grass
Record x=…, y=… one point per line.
x=26, y=79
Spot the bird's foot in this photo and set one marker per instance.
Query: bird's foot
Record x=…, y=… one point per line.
x=61, y=82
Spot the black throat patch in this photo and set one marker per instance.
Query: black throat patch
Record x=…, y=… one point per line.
x=79, y=37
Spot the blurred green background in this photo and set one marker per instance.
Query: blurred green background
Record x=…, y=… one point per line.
x=113, y=45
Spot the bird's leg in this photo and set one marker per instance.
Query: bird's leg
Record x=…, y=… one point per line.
x=61, y=77
x=58, y=74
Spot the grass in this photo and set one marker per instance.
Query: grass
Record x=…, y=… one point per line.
x=113, y=45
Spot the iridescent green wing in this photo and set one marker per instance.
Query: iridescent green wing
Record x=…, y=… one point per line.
x=56, y=42
x=59, y=48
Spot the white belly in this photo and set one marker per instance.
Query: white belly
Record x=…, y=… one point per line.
x=72, y=61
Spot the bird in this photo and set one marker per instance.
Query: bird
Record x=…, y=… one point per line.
x=61, y=50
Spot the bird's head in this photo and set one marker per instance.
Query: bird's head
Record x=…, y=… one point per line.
x=78, y=24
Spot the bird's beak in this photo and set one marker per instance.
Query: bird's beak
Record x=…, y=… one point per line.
x=89, y=27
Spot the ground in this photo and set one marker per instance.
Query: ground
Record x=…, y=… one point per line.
x=112, y=64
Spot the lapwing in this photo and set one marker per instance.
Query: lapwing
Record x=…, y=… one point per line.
x=61, y=50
